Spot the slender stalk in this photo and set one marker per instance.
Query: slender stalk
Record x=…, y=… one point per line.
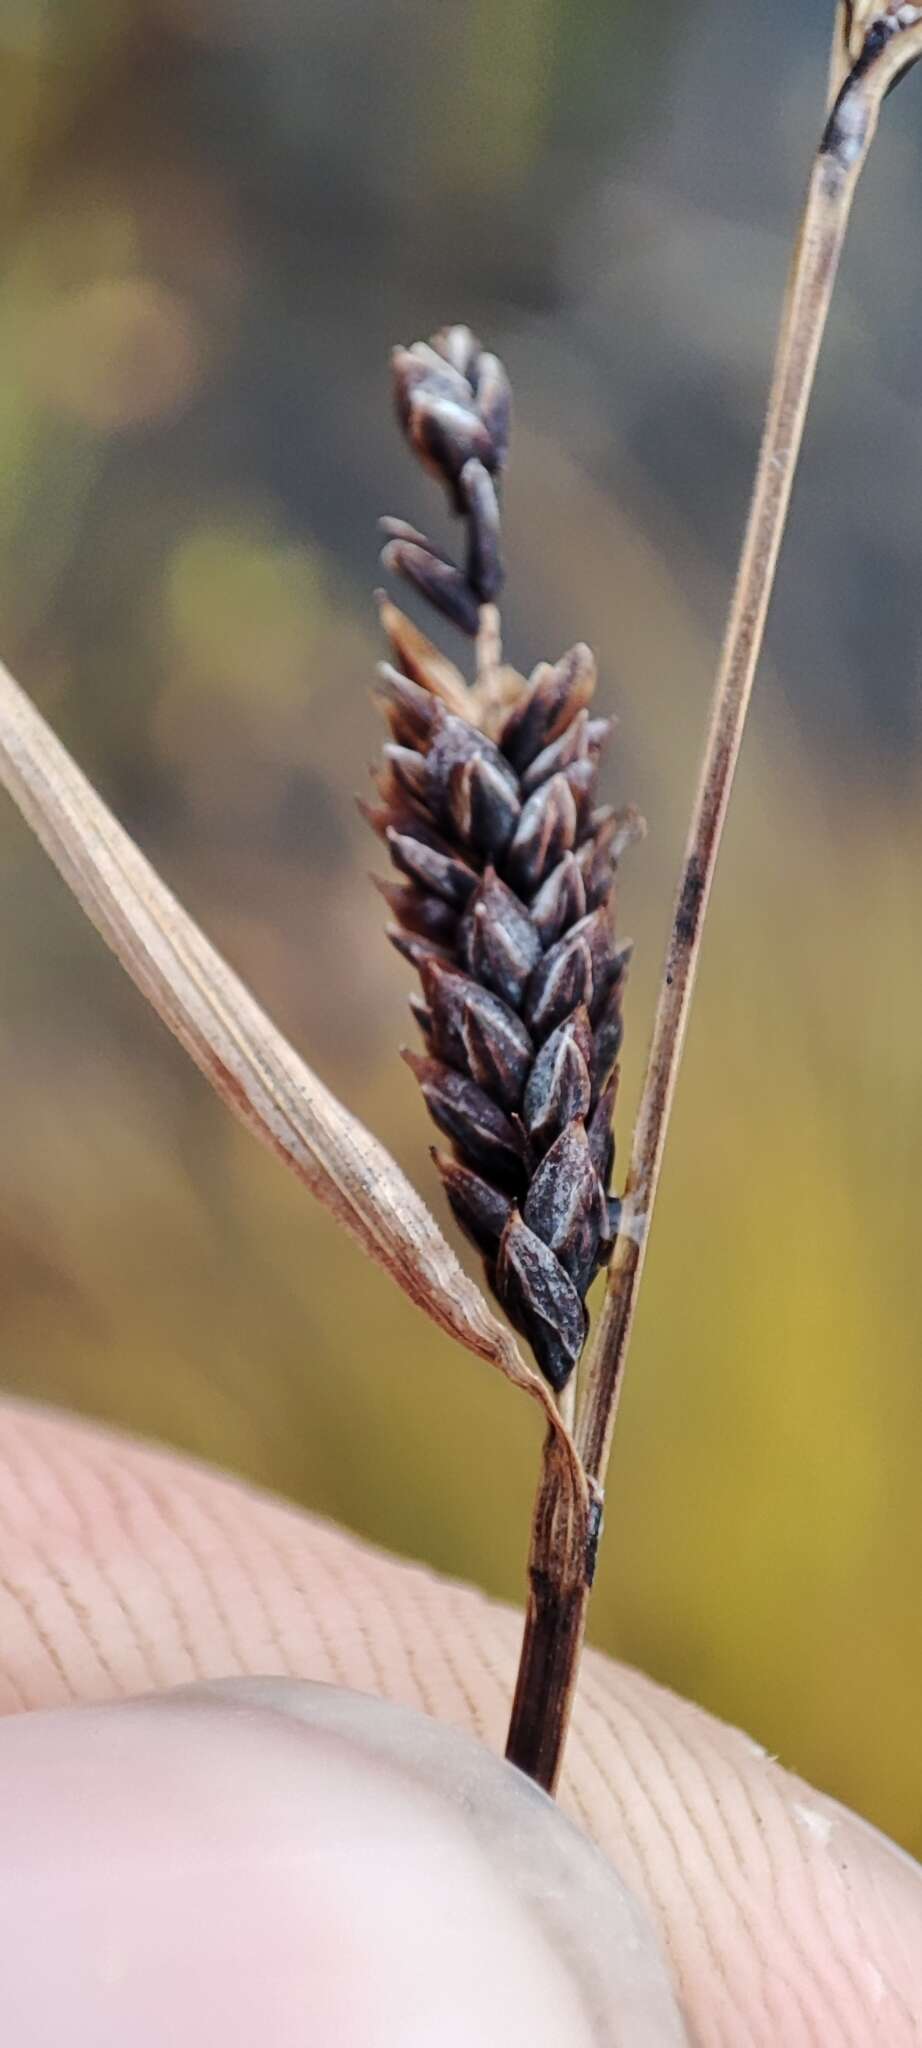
x=488, y=659
x=566, y=1403
x=556, y=1615
x=840, y=57
x=560, y=1567
x=814, y=273
x=489, y=640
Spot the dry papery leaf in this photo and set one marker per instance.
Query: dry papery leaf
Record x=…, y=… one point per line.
x=248, y=1062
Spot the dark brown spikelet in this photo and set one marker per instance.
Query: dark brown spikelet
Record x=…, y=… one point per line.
x=504, y=898
x=453, y=403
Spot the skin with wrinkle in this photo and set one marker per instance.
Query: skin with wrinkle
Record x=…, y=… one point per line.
x=120, y=1564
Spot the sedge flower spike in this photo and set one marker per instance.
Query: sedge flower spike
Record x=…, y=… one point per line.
x=505, y=899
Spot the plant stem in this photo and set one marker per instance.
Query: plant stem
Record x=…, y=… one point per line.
x=840, y=56
x=813, y=276
x=566, y=1403
x=559, y=1581
x=555, y=1621
x=489, y=651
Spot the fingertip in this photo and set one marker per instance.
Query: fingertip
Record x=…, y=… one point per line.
x=266, y=1862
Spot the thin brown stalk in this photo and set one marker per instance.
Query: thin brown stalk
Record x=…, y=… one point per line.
x=841, y=56
x=489, y=651
x=566, y=1402
x=555, y=1621
x=813, y=278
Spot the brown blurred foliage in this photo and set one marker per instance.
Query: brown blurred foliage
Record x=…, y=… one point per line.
x=216, y=219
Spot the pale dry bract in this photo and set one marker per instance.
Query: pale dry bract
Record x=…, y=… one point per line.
x=239, y=1050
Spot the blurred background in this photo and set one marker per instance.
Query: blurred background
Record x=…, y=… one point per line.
x=216, y=217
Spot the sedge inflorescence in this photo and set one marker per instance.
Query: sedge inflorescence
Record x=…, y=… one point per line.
x=505, y=899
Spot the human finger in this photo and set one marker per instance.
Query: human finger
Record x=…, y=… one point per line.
x=784, y=1918
x=268, y=1861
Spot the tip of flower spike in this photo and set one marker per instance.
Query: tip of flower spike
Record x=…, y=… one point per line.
x=540, y=1300
x=418, y=950
x=459, y=346
x=453, y=403
x=480, y=1210
x=418, y=658
x=399, y=529
x=377, y=816
x=436, y=579
x=630, y=829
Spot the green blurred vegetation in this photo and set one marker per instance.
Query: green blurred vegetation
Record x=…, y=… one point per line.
x=215, y=219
